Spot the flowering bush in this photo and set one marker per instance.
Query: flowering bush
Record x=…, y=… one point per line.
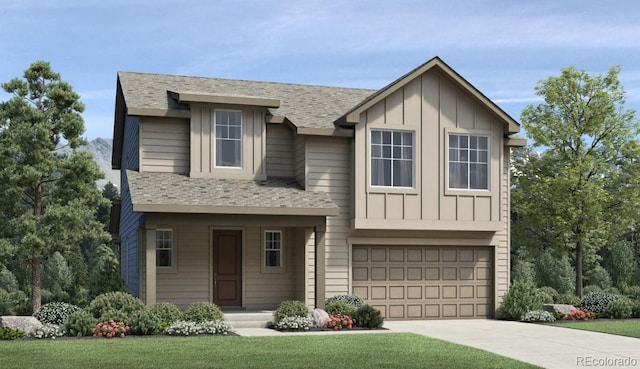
x=353, y=300
x=110, y=329
x=579, y=314
x=538, y=316
x=339, y=321
x=295, y=323
x=215, y=327
x=290, y=308
x=45, y=331
x=55, y=312
x=597, y=302
x=190, y=328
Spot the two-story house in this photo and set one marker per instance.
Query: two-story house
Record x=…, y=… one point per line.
x=248, y=193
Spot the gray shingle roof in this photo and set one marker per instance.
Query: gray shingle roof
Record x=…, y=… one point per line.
x=204, y=195
x=305, y=106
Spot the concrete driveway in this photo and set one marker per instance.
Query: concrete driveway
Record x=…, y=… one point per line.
x=545, y=346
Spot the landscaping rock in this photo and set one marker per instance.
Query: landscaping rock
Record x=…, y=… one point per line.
x=319, y=317
x=23, y=323
x=558, y=308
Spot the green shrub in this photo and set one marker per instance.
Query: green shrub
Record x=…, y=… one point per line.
x=339, y=307
x=203, y=311
x=635, y=308
x=115, y=315
x=551, y=292
x=521, y=298
x=619, y=309
x=558, y=315
x=352, y=300
x=112, y=305
x=568, y=299
x=166, y=312
x=143, y=322
x=598, y=276
x=104, y=274
x=591, y=288
x=555, y=270
x=79, y=324
x=14, y=303
x=55, y=312
x=613, y=291
x=633, y=292
x=291, y=308
x=367, y=316
x=597, y=302
x=7, y=334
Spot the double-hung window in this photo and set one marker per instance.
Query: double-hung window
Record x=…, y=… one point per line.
x=273, y=248
x=392, y=163
x=228, y=133
x=164, y=248
x=468, y=162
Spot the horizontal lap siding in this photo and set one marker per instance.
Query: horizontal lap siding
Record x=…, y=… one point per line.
x=129, y=221
x=190, y=282
x=165, y=145
x=328, y=170
x=267, y=290
x=280, y=150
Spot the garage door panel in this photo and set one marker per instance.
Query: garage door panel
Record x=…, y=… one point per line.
x=425, y=282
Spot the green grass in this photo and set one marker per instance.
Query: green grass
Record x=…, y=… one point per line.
x=387, y=350
x=629, y=328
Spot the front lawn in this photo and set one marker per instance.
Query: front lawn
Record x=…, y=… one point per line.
x=349, y=351
x=630, y=328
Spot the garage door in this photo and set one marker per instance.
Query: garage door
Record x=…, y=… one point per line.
x=425, y=282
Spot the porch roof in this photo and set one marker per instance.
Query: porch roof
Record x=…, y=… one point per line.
x=178, y=193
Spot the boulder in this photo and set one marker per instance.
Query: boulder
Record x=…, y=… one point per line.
x=558, y=308
x=319, y=317
x=23, y=323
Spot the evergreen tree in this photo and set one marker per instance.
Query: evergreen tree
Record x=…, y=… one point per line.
x=50, y=198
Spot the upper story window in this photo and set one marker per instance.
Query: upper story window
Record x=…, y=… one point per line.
x=468, y=162
x=164, y=248
x=392, y=163
x=228, y=133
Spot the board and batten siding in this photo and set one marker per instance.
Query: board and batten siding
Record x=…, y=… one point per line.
x=432, y=107
x=280, y=151
x=129, y=221
x=329, y=170
x=202, y=136
x=164, y=145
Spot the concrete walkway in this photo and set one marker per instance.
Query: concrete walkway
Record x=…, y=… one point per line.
x=545, y=346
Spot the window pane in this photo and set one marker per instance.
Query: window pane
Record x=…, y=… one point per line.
x=453, y=154
x=407, y=152
x=403, y=173
x=473, y=156
x=473, y=142
x=483, y=143
x=464, y=155
x=376, y=151
x=397, y=152
x=463, y=141
x=407, y=138
x=386, y=137
x=482, y=157
x=272, y=258
x=453, y=141
x=376, y=137
x=397, y=138
x=478, y=177
x=380, y=172
x=457, y=175
x=228, y=153
x=386, y=152
x=163, y=258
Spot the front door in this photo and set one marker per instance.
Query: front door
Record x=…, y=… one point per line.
x=227, y=261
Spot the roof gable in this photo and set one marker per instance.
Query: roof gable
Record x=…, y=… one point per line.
x=352, y=116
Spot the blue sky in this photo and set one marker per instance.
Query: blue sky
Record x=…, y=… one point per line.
x=502, y=47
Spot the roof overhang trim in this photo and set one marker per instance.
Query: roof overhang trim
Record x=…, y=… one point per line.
x=202, y=97
x=245, y=210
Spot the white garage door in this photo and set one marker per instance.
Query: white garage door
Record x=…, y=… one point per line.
x=425, y=282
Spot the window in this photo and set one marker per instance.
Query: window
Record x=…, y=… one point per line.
x=272, y=248
x=391, y=158
x=228, y=133
x=164, y=248
x=468, y=162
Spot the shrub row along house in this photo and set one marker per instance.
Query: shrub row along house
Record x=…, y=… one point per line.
x=248, y=193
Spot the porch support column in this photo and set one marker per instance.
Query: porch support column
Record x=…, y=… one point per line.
x=150, y=266
x=320, y=267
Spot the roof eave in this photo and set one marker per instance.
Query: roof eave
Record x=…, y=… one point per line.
x=242, y=210
x=201, y=97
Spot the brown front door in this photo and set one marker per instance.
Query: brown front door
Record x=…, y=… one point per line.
x=227, y=261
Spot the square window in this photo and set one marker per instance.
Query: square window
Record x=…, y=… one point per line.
x=164, y=248
x=392, y=154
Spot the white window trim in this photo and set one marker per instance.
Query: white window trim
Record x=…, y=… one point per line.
x=174, y=259
x=263, y=251
x=215, y=140
x=469, y=191
x=413, y=161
